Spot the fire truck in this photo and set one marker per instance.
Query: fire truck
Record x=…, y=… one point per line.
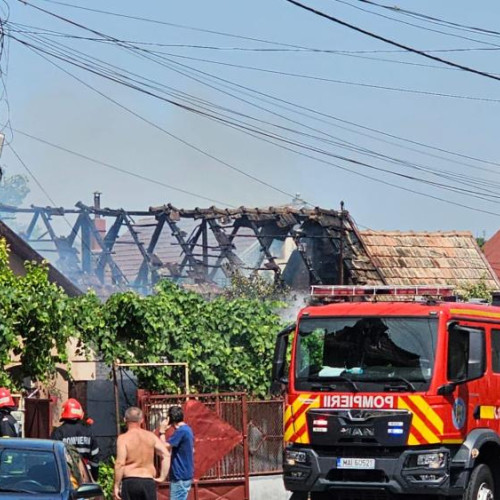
x=391, y=391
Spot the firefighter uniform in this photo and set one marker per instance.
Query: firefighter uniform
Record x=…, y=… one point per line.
x=79, y=435
x=9, y=427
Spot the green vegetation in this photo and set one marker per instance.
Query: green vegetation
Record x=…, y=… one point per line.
x=227, y=343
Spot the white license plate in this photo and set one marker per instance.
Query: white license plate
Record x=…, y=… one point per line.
x=355, y=463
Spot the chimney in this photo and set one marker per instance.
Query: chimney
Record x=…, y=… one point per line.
x=99, y=221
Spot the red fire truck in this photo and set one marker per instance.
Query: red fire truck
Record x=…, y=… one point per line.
x=391, y=391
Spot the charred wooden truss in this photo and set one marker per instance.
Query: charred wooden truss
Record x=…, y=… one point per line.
x=326, y=249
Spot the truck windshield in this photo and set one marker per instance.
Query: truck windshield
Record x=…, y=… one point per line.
x=369, y=353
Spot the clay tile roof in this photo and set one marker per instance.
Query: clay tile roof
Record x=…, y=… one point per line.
x=413, y=258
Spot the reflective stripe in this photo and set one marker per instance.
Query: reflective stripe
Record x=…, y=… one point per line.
x=95, y=451
x=82, y=450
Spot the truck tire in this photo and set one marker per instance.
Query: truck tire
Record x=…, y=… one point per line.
x=481, y=485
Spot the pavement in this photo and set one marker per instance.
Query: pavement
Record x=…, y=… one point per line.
x=268, y=488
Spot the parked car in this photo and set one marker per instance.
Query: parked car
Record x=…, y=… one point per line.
x=41, y=468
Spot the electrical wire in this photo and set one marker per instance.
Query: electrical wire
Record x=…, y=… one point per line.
x=406, y=23
x=471, y=180
x=421, y=144
x=119, y=169
x=392, y=42
x=170, y=134
x=435, y=184
x=426, y=17
x=18, y=28
x=331, y=80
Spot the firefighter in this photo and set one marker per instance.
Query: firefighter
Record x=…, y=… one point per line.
x=77, y=433
x=9, y=427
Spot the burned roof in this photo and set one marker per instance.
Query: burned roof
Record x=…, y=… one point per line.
x=418, y=258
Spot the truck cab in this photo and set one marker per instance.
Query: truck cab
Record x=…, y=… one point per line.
x=391, y=391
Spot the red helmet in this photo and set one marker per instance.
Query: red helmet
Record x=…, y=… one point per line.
x=6, y=398
x=71, y=409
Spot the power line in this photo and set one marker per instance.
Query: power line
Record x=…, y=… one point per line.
x=170, y=134
x=118, y=169
x=351, y=160
x=405, y=163
x=285, y=46
x=392, y=42
x=344, y=2
x=438, y=20
x=32, y=175
x=387, y=171
x=330, y=80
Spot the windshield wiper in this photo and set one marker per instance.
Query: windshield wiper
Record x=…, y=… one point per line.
x=408, y=384
x=341, y=378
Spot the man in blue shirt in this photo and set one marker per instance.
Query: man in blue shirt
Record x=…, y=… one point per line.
x=181, y=446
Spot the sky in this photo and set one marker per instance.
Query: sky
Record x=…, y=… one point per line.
x=328, y=124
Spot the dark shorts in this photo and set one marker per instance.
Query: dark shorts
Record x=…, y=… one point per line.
x=138, y=488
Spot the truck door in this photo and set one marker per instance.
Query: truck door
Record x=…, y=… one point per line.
x=490, y=413
x=465, y=371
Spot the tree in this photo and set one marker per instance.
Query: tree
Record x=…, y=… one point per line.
x=13, y=191
x=477, y=290
x=227, y=343
x=34, y=324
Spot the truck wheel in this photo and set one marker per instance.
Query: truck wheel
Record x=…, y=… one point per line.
x=481, y=485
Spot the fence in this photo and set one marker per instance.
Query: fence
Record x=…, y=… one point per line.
x=235, y=438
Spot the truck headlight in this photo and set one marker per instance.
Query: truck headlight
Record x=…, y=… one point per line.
x=432, y=460
x=292, y=457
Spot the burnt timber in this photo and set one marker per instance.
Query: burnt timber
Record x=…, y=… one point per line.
x=327, y=247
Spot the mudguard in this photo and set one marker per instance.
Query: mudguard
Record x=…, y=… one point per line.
x=475, y=439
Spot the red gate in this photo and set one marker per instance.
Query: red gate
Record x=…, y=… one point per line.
x=219, y=422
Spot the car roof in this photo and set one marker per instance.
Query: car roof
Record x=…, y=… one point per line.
x=30, y=444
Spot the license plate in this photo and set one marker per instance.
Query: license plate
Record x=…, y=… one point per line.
x=355, y=463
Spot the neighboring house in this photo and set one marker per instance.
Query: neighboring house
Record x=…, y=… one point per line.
x=491, y=251
x=417, y=258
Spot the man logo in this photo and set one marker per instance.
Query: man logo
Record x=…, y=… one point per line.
x=357, y=431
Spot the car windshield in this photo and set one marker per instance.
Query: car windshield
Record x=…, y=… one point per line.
x=28, y=471
x=355, y=353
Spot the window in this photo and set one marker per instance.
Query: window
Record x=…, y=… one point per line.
x=366, y=351
x=466, y=353
x=32, y=471
x=495, y=350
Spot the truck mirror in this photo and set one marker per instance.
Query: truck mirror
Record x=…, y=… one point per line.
x=278, y=373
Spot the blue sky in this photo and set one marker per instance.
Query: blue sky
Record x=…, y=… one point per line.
x=49, y=104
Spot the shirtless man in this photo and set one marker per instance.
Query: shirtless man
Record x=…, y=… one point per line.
x=134, y=466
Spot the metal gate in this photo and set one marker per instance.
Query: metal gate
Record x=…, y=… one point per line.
x=219, y=422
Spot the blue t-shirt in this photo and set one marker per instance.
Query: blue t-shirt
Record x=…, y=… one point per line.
x=182, y=465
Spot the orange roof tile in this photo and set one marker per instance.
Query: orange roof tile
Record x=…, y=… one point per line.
x=411, y=258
